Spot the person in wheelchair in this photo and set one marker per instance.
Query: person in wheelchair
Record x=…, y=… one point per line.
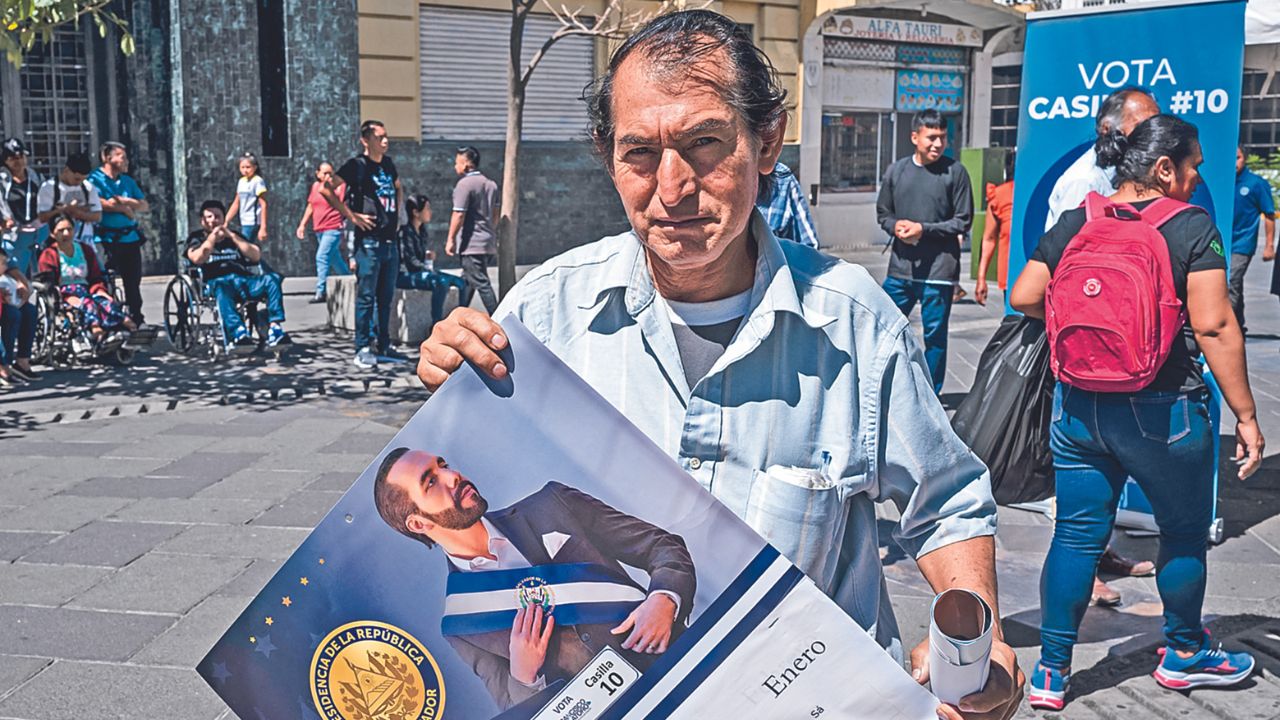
x=73, y=268
x=231, y=267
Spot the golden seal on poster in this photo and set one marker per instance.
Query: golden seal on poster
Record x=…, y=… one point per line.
x=370, y=670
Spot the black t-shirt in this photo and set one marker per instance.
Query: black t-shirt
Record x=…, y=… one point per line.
x=371, y=189
x=226, y=258
x=21, y=197
x=1194, y=245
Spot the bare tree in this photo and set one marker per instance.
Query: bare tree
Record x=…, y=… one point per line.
x=22, y=22
x=613, y=23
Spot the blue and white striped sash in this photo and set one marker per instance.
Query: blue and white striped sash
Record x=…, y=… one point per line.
x=580, y=593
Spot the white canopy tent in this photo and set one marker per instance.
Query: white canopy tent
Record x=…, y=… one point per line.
x=1262, y=22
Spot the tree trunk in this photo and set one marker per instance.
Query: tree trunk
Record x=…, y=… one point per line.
x=509, y=220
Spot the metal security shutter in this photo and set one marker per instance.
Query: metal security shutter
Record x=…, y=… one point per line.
x=464, y=77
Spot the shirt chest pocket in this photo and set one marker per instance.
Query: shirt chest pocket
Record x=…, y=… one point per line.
x=803, y=519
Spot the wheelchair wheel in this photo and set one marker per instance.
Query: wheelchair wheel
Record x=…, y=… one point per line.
x=182, y=314
x=46, y=315
x=121, y=357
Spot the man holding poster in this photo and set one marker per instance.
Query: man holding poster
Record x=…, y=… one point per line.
x=784, y=381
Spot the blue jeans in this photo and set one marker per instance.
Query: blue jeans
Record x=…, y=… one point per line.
x=438, y=283
x=250, y=232
x=935, y=313
x=328, y=258
x=24, y=249
x=1164, y=441
x=231, y=290
x=17, y=331
x=376, y=264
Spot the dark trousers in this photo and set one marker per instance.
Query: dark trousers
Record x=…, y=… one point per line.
x=437, y=282
x=231, y=290
x=935, y=314
x=17, y=332
x=475, y=268
x=125, y=259
x=376, y=264
x=1235, y=284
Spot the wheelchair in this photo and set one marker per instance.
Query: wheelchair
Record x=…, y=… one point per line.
x=62, y=343
x=192, y=321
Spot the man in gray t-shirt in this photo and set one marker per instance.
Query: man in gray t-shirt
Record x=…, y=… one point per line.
x=471, y=228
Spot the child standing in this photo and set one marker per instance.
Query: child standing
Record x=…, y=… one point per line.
x=250, y=200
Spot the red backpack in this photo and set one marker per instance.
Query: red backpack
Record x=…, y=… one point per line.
x=1111, y=311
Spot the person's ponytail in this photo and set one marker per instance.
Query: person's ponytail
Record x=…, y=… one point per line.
x=1111, y=148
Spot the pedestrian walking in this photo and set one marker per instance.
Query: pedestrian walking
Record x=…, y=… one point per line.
x=995, y=233
x=21, y=230
x=925, y=206
x=117, y=233
x=471, y=227
x=785, y=209
x=250, y=203
x=327, y=223
x=371, y=204
x=1151, y=423
x=1253, y=203
x=417, y=260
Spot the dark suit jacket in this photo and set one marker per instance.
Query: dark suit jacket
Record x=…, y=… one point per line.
x=597, y=534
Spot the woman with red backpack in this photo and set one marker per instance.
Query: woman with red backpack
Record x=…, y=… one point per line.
x=1133, y=288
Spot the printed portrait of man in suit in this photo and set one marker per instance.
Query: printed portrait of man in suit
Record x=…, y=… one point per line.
x=537, y=589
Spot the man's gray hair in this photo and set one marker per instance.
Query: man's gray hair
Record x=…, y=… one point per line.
x=1111, y=111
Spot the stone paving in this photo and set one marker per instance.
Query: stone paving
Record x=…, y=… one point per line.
x=141, y=510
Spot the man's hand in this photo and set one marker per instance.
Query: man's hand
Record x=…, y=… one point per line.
x=998, y=700
x=529, y=640
x=909, y=232
x=6, y=223
x=362, y=221
x=650, y=625
x=351, y=263
x=465, y=335
x=980, y=291
x=449, y=247
x=24, y=291
x=301, y=233
x=1249, y=445
x=262, y=233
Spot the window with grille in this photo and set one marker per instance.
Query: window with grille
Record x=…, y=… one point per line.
x=53, y=110
x=1006, y=90
x=1259, y=114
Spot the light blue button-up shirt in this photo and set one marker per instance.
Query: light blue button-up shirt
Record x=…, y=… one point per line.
x=824, y=375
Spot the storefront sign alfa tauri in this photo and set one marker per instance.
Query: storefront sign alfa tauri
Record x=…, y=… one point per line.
x=903, y=31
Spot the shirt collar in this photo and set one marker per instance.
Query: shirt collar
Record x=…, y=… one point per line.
x=495, y=538
x=774, y=289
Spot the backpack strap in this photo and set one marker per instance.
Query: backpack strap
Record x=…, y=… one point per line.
x=1095, y=206
x=1163, y=210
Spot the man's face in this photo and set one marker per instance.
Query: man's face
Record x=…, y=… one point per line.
x=685, y=164
x=71, y=177
x=17, y=164
x=1239, y=161
x=930, y=143
x=460, y=165
x=377, y=142
x=444, y=497
x=211, y=218
x=1137, y=108
x=118, y=160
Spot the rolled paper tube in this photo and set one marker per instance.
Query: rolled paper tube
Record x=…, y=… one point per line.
x=960, y=624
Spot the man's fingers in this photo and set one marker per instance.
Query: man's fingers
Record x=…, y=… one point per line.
x=947, y=712
x=535, y=623
x=546, y=632
x=920, y=663
x=484, y=327
x=517, y=625
x=625, y=625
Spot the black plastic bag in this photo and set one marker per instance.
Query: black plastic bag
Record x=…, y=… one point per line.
x=1005, y=419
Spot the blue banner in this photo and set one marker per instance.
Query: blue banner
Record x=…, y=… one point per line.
x=1189, y=56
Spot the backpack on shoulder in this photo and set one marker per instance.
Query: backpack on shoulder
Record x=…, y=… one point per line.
x=1111, y=310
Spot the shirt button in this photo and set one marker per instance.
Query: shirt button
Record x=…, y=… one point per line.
x=694, y=463
x=586, y=638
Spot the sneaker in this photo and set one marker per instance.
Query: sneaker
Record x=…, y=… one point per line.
x=393, y=356
x=1048, y=688
x=365, y=359
x=317, y=299
x=277, y=336
x=242, y=343
x=1211, y=667
x=28, y=374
